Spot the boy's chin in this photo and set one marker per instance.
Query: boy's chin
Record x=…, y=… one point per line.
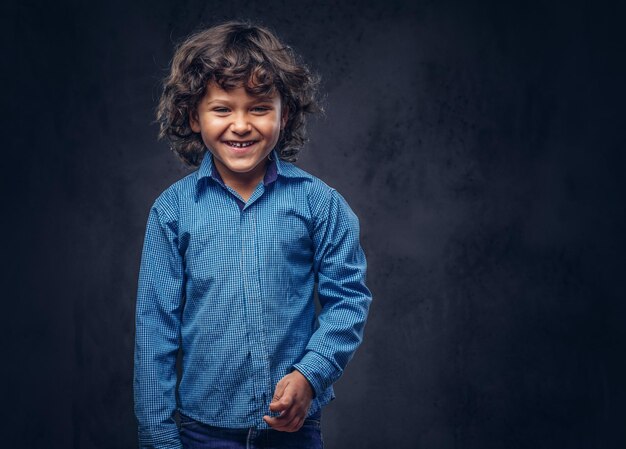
x=242, y=167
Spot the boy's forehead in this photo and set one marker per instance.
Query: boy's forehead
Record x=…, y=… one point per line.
x=215, y=92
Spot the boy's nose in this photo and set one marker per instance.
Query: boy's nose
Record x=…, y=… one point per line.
x=240, y=125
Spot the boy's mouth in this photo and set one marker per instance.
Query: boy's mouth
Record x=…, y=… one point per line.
x=239, y=144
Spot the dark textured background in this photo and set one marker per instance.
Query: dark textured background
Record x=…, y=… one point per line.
x=481, y=145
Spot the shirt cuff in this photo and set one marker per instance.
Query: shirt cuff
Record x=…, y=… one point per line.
x=163, y=439
x=318, y=371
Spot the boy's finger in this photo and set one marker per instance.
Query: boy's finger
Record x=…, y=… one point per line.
x=296, y=424
x=286, y=413
x=284, y=403
x=286, y=423
x=293, y=424
x=279, y=390
x=273, y=422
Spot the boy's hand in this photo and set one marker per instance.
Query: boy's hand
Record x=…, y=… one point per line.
x=292, y=399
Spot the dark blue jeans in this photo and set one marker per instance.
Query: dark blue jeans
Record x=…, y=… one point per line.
x=195, y=435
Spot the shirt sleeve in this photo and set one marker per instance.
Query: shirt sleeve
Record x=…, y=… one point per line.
x=340, y=267
x=158, y=316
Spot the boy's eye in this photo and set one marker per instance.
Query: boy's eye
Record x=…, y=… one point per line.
x=260, y=109
x=220, y=110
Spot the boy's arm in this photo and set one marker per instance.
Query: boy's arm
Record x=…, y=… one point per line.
x=341, y=267
x=159, y=306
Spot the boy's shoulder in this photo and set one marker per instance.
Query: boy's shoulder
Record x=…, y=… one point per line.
x=310, y=183
x=303, y=184
x=170, y=198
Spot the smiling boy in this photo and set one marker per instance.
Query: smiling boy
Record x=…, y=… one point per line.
x=241, y=131
x=233, y=253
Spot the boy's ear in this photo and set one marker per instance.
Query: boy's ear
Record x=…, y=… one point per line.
x=194, y=122
x=284, y=117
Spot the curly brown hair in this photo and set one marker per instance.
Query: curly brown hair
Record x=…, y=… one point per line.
x=235, y=54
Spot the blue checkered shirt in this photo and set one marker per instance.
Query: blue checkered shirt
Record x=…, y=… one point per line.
x=232, y=284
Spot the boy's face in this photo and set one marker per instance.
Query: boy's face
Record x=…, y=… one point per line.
x=240, y=131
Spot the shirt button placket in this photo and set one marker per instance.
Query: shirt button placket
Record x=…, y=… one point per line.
x=253, y=303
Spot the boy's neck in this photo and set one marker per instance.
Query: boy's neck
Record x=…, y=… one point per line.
x=242, y=183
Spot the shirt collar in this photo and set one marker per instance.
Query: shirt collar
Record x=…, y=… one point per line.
x=275, y=168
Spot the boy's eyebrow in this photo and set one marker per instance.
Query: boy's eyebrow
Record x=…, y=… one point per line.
x=255, y=100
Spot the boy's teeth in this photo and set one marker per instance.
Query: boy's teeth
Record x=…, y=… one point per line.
x=240, y=144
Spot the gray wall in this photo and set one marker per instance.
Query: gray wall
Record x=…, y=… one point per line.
x=481, y=145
